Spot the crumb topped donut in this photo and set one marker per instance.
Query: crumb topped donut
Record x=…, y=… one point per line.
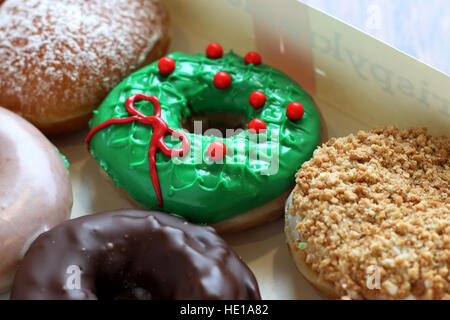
x=369, y=217
x=35, y=190
x=59, y=59
x=132, y=254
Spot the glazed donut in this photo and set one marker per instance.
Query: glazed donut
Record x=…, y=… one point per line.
x=230, y=182
x=59, y=59
x=35, y=190
x=132, y=254
x=369, y=217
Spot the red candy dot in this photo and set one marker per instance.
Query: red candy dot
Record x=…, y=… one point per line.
x=166, y=65
x=257, y=125
x=295, y=111
x=222, y=80
x=214, y=50
x=252, y=57
x=217, y=150
x=257, y=99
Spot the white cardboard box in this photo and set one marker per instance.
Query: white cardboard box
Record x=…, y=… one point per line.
x=357, y=82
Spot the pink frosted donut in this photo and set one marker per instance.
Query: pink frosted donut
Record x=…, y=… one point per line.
x=35, y=190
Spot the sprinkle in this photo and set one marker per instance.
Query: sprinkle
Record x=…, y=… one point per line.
x=217, y=150
x=257, y=126
x=257, y=99
x=252, y=57
x=214, y=50
x=166, y=65
x=295, y=111
x=222, y=80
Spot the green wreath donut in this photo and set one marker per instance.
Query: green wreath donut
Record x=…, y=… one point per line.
x=138, y=140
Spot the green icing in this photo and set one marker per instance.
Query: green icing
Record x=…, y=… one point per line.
x=204, y=192
x=301, y=245
x=64, y=159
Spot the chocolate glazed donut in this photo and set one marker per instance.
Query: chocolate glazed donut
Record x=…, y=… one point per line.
x=125, y=253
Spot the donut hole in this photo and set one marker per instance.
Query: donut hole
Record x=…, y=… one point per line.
x=212, y=123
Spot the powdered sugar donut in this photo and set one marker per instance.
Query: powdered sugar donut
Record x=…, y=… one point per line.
x=61, y=58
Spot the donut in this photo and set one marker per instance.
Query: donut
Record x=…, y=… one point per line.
x=231, y=182
x=132, y=254
x=369, y=217
x=35, y=190
x=61, y=58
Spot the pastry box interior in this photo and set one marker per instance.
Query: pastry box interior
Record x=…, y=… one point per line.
x=357, y=83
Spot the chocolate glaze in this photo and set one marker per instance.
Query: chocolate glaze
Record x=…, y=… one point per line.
x=122, y=250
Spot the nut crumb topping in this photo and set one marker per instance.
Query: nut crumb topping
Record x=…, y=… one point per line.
x=374, y=214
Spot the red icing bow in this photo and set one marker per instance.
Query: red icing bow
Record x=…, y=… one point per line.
x=160, y=129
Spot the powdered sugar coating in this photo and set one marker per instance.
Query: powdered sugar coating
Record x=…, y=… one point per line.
x=60, y=53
